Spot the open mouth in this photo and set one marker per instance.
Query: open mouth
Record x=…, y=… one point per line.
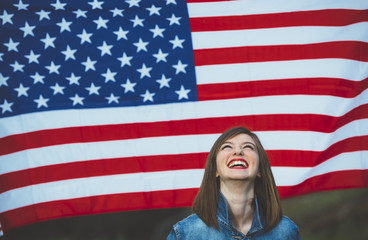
x=238, y=163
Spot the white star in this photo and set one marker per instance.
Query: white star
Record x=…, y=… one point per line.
x=144, y=71
x=3, y=80
x=164, y=82
x=177, y=42
x=58, y=5
x=105, y=49
x=12, y=46
x=137, y=21
x=17, y=67
x=180, y=67
x=109, y=76
x=22, y=91
x=154, y=10
x=174, y=20
x=183, y=93
x=69, y=53
x=57, y=89
x=170, y=1
x=101, y=22
x=41, y=102
x=125, y=60
x=85, y=37
x=64, y=25
x=77, y=100
x=89, y=64
x=6, y=17
x=147, y=96
x=160, y=56
x=1, y=57
x=117, y=12
x=121, y=34
x=37, y=78
x=21, y=5
x=53, y=68
x=141, y=45
x=93, y=89
x=157, y=31
x=28, y=30
x=73, y=79
x=96, y=4
x=80, y=13
x=128, y=86
x=43, y=14
x=133, y=3
x=6, y=106
x=32, y=57
x=112, y=98
x=48, y=41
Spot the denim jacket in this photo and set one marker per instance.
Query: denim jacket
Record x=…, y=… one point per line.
x=194, y=228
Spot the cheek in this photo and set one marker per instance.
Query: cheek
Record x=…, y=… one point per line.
x=222, y=157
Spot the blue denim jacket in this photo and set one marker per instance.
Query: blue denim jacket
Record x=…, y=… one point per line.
x=194, y=228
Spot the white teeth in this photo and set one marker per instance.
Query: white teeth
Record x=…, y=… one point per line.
x=238, y=163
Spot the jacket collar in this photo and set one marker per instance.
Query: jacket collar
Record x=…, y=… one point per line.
x=223, y=214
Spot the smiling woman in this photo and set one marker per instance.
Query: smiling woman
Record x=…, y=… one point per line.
x=238, y=197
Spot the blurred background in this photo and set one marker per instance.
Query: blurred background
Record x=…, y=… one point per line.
x=333, y=215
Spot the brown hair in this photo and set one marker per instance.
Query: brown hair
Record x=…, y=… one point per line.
x=205, y=203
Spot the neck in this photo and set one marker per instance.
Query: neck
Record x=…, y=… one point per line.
x=239, y=196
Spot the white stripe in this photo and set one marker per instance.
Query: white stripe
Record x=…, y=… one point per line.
x=244, y=7
x=311, y=141
x=156, y=181
x=93, y=186
x=288, y=176
x=78, y=152
x=291, y=140
x=310, y=68
x=288, y=104
x=279, y=36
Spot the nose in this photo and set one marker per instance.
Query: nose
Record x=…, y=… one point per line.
x=238, y=151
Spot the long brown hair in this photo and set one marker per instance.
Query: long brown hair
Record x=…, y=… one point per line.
x=205, y=203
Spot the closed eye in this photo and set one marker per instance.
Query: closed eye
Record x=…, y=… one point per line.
x=225, y=146
x=249, y=146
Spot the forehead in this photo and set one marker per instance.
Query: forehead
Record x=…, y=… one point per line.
x=240, y=138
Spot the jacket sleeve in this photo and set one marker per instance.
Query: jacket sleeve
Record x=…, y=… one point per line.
x=297, y=237
x=172, y=235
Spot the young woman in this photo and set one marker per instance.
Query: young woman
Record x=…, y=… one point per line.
x=238, y=198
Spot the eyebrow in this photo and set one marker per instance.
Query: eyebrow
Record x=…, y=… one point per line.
x=242, y=143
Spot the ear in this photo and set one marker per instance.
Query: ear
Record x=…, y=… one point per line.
x=217, y=174
x=259, y=175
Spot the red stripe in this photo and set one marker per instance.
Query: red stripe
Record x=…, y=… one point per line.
x=328, y=181
x=353, y=50
x=298, y=122
x=101, y=167
x=328, y=17
x=203, y=1
x=96, y=204
x=305, y=86
x=165, y=163
x=283, y=158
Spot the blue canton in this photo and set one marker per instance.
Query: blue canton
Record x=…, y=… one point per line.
x=63, y=54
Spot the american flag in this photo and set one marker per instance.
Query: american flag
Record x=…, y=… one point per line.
x=113, y=105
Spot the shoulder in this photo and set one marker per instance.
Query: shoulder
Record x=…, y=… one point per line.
x=190, y=221
x=286, y=229
x=191, y=227
x=287, y=223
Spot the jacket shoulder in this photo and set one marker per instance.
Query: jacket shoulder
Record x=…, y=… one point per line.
x=286, y=229
x=191, y=227
x=190, y=223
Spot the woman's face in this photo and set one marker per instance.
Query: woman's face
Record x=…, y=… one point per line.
x=237, y=159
